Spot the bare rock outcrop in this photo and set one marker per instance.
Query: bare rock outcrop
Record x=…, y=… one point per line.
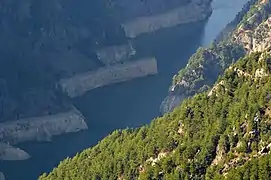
x=255, y=40
x=195, y=11
x=42, y=128
x=10, y=153
x=115, y=54
x=81, y=83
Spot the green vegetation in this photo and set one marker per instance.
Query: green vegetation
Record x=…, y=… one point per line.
x=206, y=64
x=255, y=169
x=207, y=133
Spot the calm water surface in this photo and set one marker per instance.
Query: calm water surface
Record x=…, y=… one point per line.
x=129, y=104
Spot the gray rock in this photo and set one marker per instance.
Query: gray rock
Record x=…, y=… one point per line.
x=2, y=177
x=10, y=153
x=42, y=128
x=170, y=102
x=192, y=12
x=82, y=83
x=115, y=54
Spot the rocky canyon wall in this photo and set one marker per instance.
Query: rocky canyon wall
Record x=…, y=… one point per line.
x=43, y=41
x=81, y=44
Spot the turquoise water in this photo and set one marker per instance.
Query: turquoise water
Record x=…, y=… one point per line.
x=128, y=104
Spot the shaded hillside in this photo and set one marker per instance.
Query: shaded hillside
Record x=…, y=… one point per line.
x=41, y=41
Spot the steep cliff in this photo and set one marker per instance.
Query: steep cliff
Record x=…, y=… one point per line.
x=248, y=32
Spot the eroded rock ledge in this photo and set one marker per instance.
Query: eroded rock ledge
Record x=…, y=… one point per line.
x=42, y=128
x=195, y=11
x=115, y=54
x=81, y=83
x=10, y=153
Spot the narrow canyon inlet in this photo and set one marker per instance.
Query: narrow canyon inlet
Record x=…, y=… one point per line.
x=128, y=104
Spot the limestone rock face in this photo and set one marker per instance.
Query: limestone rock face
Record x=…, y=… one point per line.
x=81, y=83
x=131, y=9
x=42, y=128
x=256, y=40
x=115, y=54
x=193, y=12
x=10, y=153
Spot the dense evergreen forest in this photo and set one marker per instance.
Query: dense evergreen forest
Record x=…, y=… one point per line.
x=222, y=132
x=209, y=133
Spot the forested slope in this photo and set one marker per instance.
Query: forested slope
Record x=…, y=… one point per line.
x=211, y=132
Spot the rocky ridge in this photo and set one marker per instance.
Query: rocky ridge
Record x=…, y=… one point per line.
x=251, y=33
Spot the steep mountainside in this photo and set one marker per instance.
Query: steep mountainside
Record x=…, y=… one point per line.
x=222, y=133
x=243, y=35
